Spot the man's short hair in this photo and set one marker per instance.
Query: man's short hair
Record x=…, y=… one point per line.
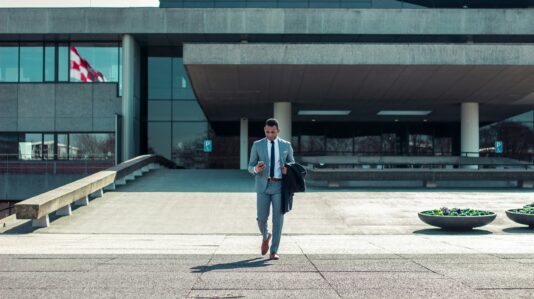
x=272, y=122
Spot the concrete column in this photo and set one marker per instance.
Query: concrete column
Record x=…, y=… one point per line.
x=130, y=97
x=243, y=144
x=282, y=112
x=469, y=145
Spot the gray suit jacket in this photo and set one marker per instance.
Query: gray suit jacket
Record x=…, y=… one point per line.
x=259, y=153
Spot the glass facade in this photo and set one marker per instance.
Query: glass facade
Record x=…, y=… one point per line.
x=176, y=124
x=9, y=63
x=52, y=62
x=102, y=58
x=31, y=63
x=515, y=133
x=318, y=138
x=349, y=3
x=58, y=146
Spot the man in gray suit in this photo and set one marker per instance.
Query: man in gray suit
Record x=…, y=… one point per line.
x=267, y=163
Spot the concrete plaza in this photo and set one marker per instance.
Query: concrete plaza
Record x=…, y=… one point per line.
x=185, y=233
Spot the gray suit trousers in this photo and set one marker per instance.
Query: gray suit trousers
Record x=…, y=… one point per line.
x=271, y=196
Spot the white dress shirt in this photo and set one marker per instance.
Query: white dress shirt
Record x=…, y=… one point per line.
x=277, y=168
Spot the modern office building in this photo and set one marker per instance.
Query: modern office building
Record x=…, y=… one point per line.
x=194, y=81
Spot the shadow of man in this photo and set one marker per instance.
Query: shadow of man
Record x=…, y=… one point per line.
x=249, y=263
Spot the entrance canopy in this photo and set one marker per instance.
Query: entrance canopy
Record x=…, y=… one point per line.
x=236, y=80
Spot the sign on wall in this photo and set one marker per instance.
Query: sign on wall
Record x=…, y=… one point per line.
x=498, y=147
x=207, y=146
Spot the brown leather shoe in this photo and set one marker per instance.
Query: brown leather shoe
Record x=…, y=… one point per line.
x=274, y=256
x=265, y=245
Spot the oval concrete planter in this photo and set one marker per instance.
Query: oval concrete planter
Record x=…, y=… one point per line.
x=456, y=222
x=529, y=206
x=521, y=218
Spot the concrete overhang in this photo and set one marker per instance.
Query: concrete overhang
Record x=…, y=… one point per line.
x=244, y=80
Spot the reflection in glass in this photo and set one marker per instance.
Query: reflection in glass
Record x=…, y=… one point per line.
x=31, y=64
x=159, y=138
x=63, y=63
x=62, y=146
x=9, y=64
x=187, y=111
x=181, y=87
x=188, y=144
x=89, y=146
x=159, y=78
x=48, y=146
x=30, y=146
x=367, y=145
x=103, y=59
x=389, y=144
x=443, y=146
x=420, y=144
x=312, y=144
x=50, y=63
x=159, y=110
x=339, y=146
x=9, y=145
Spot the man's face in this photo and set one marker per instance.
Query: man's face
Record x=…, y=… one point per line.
x=271, y=132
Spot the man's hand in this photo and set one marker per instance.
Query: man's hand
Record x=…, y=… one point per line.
x=284, y=169
x=259, y=167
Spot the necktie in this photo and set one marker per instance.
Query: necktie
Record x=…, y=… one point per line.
x=271, y=168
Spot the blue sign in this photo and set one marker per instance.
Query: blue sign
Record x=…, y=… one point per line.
x=498, y=147
x=207, y=146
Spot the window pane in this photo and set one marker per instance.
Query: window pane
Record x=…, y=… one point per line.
x=91, y=146
x=62, y=146
x=159, y=78
x=159, y=110
x=9, y=64
x=339, y=146
x=187, y=110
x=63, y=64
x=9, y=145
x=312, y=144
x=48, y=146
x=367, y=145
x=96, y=64
x=31, y=64
x=50, y=63
x=30, y=146
x=159, y=139
x=420, y=144
x=188, y=144
x=181, y=87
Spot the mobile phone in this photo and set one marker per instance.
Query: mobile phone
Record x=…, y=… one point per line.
x=261, y=163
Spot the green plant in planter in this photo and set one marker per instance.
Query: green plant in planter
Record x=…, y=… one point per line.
x=528, y=211
x=531, y=205
x=444, y=211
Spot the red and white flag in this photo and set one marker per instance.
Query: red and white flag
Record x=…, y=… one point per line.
x=81, y=70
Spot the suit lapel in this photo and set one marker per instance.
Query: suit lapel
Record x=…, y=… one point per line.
x=264, y=150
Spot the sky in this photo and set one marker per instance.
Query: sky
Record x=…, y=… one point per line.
x=79, y=3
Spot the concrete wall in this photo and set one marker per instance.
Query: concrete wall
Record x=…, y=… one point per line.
x=64, y=107
x=265, y=21
x=18, y=186
x=361, y=54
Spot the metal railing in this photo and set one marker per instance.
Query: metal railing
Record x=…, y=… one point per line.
x=473, y=160
x=30, y=164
